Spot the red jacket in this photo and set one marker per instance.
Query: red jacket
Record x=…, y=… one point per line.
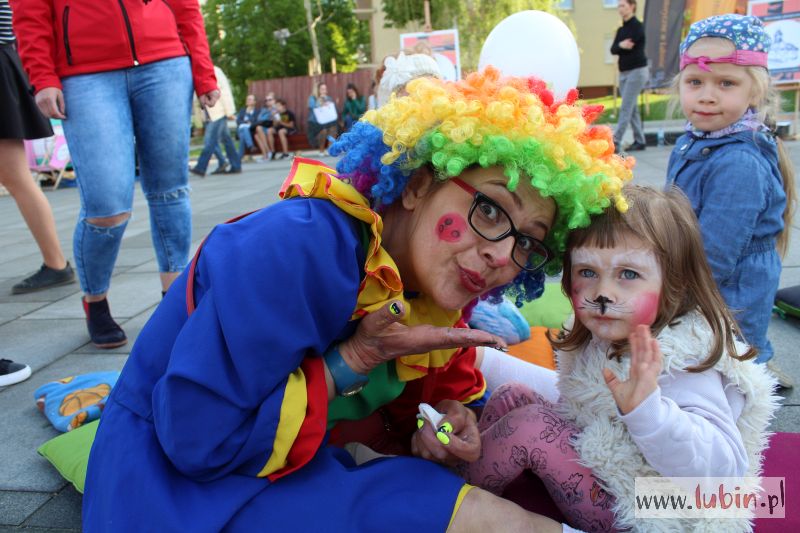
x=59, y=38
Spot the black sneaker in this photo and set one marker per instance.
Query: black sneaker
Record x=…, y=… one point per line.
x=103, y=330
x=11, y=372
x=197, y=172
x=284, y=155
x=636, y=147
x=233, y=171
x=45, y=278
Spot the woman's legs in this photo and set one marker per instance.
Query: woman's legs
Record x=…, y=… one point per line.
x=261, y=141
x=322, y=140
x=102, y=154
x=31, y=201
x=322, y=137
x=521, y=431
x=245, y=139
x=631, y=84
x=161, y=105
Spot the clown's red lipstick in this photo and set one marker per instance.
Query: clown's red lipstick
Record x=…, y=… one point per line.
x=472, y=281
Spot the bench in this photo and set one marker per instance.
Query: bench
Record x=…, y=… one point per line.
x=297, y=141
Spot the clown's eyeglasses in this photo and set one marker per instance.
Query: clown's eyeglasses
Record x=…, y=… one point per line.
x=490, y=221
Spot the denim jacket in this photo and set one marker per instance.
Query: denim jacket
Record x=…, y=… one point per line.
x=736, y=191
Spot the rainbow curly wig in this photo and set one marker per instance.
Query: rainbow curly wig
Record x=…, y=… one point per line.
x=490, y=120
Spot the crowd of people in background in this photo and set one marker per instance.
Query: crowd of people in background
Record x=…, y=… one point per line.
x=264, y=128
x=267, y=129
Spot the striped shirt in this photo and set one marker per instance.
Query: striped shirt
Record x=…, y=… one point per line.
x=6, y=33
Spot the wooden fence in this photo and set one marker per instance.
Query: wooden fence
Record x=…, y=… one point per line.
x=296, y=91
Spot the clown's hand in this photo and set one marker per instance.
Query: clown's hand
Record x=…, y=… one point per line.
x=380, y=337
x=456, y=439
x=646, y=364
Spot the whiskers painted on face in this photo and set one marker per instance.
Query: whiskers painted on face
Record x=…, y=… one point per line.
x=604, y=305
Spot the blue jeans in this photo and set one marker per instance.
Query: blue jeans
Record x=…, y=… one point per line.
x=245, y=139
x=217, y=131
x=105, y=110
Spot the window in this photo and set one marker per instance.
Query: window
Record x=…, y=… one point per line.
x=565, y=4
x=610, y=3
x=608, y=40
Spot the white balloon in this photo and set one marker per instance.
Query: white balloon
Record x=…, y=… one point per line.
x=534, y=43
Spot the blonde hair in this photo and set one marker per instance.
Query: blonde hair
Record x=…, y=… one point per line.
x=665, y=221
x=767, y=107
x=315, y=88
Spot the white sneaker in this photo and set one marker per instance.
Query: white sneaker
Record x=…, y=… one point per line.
x=784, y=380
x=11, y=372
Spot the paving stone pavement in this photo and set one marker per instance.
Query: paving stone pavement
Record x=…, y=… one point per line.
x=46, y=329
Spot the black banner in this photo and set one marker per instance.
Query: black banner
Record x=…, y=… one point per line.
x=663, y=21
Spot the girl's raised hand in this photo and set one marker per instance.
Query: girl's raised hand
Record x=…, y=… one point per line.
x=646, y=366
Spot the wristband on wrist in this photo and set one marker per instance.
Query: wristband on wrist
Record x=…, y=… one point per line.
x=345, y=379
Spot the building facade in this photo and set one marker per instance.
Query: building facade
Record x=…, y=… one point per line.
x=595, y=23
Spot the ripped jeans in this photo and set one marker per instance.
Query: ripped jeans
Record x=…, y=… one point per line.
x=105, y=111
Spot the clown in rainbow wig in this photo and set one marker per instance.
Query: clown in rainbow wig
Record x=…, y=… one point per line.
x=328, y=317
x=488, y=120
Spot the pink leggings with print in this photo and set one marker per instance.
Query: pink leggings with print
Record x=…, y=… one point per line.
x=520, y=431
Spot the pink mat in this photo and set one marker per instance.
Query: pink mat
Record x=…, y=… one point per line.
x=781, y=460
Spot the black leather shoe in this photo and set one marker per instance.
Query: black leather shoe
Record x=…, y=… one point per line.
x=45, y=278
x=197, y=172
x=233, y=171
x=103, y=330
x=636, y=147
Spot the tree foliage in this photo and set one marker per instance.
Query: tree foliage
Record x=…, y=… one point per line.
x=473, y=18
x=243, y=44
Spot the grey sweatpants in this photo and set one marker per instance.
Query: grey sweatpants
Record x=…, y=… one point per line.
x=631, y=83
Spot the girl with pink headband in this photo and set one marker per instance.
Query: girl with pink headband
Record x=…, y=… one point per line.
x=734, y=169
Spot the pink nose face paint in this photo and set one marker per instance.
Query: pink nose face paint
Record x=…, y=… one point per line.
x=451, y=227
x=645, y=309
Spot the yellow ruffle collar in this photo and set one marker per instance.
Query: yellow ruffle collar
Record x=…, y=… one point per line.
x=381, y=283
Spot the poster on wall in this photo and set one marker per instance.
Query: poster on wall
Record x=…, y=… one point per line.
x=663, y=20
x=782, y=23
x=443, y=45
x=701, y=9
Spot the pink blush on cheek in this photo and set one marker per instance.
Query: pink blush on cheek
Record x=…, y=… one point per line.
x=645, y=309
x=577, y=294
x=451, y=227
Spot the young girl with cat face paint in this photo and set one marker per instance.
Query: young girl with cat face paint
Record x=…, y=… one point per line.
x=683, y=401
